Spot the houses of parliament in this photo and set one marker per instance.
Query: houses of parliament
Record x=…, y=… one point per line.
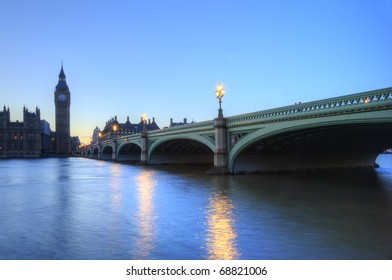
x=32, y=137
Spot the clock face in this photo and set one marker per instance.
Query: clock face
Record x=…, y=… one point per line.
x=61, y=97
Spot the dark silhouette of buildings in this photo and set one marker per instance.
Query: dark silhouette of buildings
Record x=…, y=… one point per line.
x=62, y=101
x=20, y=139
x=33, y=137
x=173, y=124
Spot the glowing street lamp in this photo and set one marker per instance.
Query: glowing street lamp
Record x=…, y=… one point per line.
x=114, y=127
x=144, y=120
x=99, y=138
x=220, y=92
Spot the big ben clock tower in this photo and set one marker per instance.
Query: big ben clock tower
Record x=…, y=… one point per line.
x=62, y=100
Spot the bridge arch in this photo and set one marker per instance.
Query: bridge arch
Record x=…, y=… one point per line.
x=95, y=152
x=107, y=152
x=193, y=149
x=349, y=143
x=129, y=152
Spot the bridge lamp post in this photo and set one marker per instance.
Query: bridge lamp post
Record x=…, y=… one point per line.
x=144, y=120
x=144, y=142
x=99, y=144
x=220, y=127
x=219, y=93
x=114, y=155
x=115, y=130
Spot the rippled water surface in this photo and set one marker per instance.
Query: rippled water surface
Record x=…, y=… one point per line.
x=86, y=209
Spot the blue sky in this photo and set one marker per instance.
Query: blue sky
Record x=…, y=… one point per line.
x=165, y=58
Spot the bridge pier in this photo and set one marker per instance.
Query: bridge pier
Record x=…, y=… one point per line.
x=144, y=146
x=220, y=153
x=114, y=153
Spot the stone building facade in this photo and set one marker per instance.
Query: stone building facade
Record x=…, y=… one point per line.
x=20, y=139
x=114, y=128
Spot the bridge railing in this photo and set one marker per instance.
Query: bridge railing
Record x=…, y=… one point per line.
x=190, y=127
x=342, y=104
x=129, y=137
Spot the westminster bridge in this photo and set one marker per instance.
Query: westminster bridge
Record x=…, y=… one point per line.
x=346, y=131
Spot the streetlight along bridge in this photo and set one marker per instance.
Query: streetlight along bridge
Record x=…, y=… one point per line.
x=346, y=131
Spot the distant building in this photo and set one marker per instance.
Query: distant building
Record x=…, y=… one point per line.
x=53, y=144
x=113, y=127
x=20, y=139
x=75, y=143
x=46, y=147
x=95, y=137
x=173, y=124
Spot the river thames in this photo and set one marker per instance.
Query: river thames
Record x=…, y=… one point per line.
x=75, y=208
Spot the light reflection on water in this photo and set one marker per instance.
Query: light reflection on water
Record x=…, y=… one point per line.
x=221, y=236
x=115, y=185
x=86, y=209
x=145, y=217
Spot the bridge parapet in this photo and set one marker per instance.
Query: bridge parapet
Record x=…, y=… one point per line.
x=123, y=138
x=190, y=127
x=332, y=106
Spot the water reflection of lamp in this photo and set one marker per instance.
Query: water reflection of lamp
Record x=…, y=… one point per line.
x=145, y=216
x=115, y=185
x=221, y=235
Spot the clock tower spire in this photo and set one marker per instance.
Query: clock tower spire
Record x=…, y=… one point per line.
x=62, y=75
x=62, y=101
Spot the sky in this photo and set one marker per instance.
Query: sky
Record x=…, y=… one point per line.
x=164, y=58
